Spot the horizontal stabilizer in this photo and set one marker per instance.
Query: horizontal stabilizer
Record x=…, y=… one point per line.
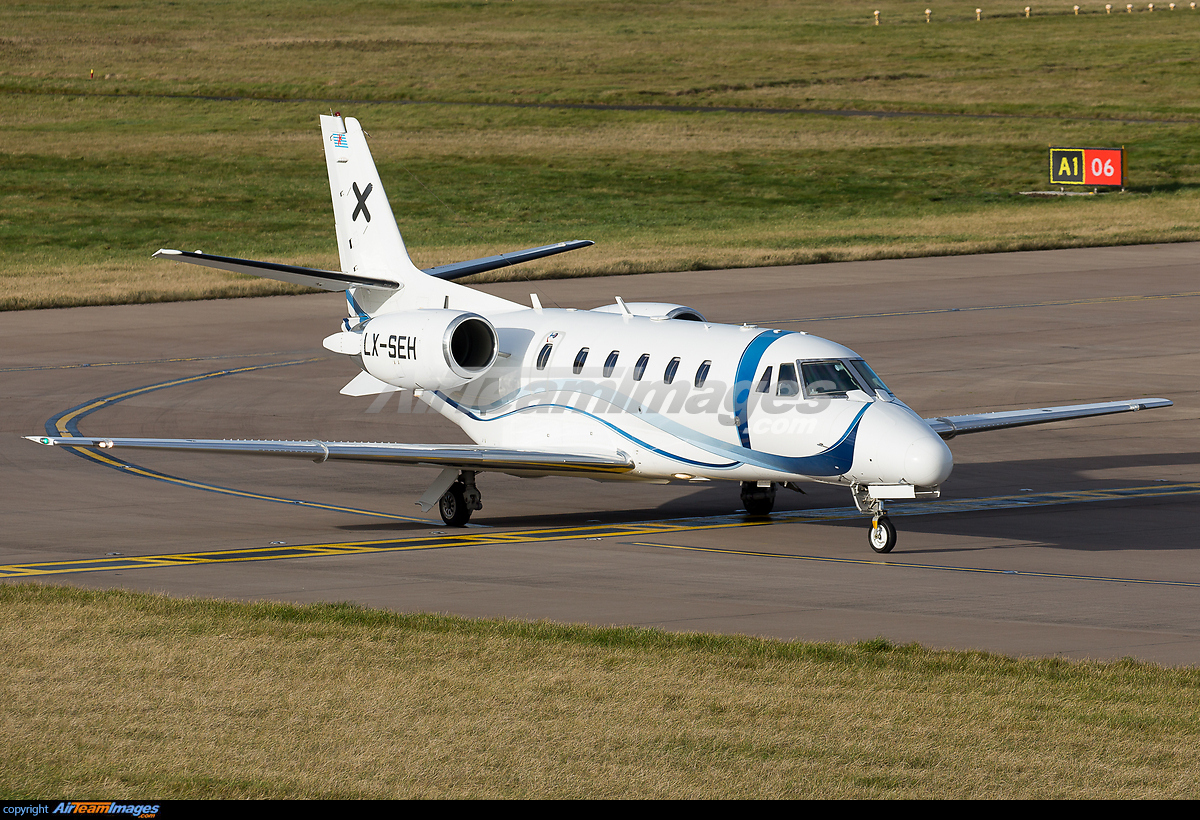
x=309, y=277
x=950, y=426
x=333, y=280
x=503, y=260
x=463, y=457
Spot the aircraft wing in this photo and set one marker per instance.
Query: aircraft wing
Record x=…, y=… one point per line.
x=463, y=457
x=950, y=426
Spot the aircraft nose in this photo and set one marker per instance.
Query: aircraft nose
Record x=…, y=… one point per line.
x=928, y=461
x=896, y=446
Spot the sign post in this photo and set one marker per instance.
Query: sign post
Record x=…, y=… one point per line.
x=1087, y=166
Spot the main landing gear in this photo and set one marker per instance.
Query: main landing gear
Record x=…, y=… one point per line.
x=462, y=499
x=757, y=498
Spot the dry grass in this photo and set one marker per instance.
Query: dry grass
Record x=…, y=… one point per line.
x=62, y=285
x=1114, y=219
x=123, y=695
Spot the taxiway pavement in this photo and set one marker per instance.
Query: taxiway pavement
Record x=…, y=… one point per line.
x=1075, y=539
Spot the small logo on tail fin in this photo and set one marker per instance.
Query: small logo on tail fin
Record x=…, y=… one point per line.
x=339, y=140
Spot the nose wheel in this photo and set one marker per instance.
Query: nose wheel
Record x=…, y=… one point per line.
x=882, y=536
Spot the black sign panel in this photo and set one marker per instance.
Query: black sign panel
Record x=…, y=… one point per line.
x=1067, y=166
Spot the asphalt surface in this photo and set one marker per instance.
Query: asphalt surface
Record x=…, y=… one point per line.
x=1076, y=539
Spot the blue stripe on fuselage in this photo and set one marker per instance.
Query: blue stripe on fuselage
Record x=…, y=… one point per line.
x=832, y=462
x=744, y=378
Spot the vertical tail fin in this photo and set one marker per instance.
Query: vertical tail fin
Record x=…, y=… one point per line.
x=368, y=240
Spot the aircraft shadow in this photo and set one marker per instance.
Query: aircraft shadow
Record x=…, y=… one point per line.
x=1063, y=526
x=1083, y=526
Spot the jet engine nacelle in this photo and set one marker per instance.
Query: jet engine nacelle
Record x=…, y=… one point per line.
x=655, y=310
x=429, y=349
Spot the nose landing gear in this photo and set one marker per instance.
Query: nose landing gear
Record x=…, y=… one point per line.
x=883, y=534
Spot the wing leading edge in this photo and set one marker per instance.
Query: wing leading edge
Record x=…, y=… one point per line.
x=950, y=426
x=463, y=457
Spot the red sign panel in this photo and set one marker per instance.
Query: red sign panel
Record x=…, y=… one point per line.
x=1087, y=166
x=1102, y=166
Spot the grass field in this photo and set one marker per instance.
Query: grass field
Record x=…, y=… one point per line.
x=127, y=695
x=101, y=172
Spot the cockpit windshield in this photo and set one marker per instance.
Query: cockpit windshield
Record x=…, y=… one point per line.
x=868, y=374
x=826, y=378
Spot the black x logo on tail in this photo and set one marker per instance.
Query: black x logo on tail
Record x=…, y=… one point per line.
x=362, y=202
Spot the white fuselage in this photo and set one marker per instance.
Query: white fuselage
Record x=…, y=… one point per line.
x=688, y=400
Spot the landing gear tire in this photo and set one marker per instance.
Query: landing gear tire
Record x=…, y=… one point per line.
x=454, y=508
x=882, y=536
x=758, y=501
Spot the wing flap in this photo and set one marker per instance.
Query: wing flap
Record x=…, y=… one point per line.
x=464, y=457
x=950, y=426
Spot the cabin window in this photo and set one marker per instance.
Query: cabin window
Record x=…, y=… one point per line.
x=868, y=375
x=669, y=373
x=702, y=373
x=610, y=363
x=764, y=384
x=640, y=368
x=544, y=356
x=580, y=358
x=827, y=378
x=788, y=385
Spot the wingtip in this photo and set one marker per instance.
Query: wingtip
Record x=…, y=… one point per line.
x=161, y=252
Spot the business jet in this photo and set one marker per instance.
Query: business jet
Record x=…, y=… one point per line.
x=631, y=391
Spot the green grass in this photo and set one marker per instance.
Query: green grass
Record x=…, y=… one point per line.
x=123, y=695
x=769, y=52
x=100, y=173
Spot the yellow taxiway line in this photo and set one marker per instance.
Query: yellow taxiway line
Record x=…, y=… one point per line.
x=476, y=538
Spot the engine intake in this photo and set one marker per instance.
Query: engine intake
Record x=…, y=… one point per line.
x=429, y=349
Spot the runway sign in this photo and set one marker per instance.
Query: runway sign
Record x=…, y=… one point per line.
x=1087, y=166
